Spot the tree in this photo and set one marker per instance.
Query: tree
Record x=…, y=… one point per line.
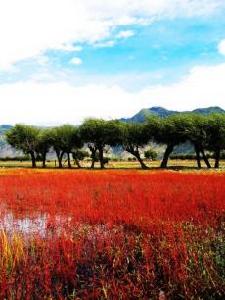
x=170, y=131
x=44, y=142
x=196, y=130
x=24, y=138
x=65, y=139
x=98, y=133
x=79, y=155
x=216, y=135
x=150, y=154
x=134, y=136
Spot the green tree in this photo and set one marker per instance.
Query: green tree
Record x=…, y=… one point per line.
x=79, y=155
x=133, y=137
x=170, y=131
x=43, y=145
x=215, y=132
x=196, y=129
x=24, y=138
x=65, y=139
x=150, y=154
x=97, y=134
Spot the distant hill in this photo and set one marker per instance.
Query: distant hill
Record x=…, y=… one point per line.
x=3, y=129
x=141, y=116
x=5, y=149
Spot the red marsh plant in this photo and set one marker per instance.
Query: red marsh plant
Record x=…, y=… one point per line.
x=112, y=235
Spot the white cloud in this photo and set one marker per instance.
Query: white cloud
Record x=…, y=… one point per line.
x=59, y=102
x=221, y=47
x=125, y=34
x=42, y=60
x=29, y=27
x=105, y=44
x=76, y=61
x=202, y=87
x=70, y=48
x=54, y=103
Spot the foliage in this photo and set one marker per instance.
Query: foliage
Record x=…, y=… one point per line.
x=172, y=130
x=80, y=154
x=15, y=158
x=204, y=132
x=98, y=133
x=134, y=136
x=65, y=139
x=215, y=132
x=150, y=154
x=23, y=137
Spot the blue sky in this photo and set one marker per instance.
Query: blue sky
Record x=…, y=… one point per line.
x=109, y=59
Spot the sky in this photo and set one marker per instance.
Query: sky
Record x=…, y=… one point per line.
x=62, y=61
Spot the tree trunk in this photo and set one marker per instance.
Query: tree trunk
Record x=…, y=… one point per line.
x=169, y=150
x=92, y=163
x=68, y=159
x=77, y=162
x=59, y=157
x=198, y=158
x=205, y=158
x=143, y=165
x=60, y=162
x=135, y=152
x=44, y=160
x=217, y=158
x=93, y=155
x=101, y=157
x=33, y=159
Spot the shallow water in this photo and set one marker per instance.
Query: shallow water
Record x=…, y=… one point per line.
x=11, y=224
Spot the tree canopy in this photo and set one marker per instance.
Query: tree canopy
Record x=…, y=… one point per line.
x=205, y=132
x=24, y=138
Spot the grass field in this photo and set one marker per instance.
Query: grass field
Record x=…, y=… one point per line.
x=114, y=234
x=180, y=164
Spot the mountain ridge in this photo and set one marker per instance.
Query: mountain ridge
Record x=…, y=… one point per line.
x=162, y=112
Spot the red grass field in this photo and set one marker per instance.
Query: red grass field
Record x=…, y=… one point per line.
x=112, y=235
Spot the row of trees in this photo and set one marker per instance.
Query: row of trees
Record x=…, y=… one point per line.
x=206, y=133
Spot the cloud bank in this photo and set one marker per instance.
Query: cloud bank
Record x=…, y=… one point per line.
x=34, y=102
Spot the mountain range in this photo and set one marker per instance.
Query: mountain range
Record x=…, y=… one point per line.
x=162, y=112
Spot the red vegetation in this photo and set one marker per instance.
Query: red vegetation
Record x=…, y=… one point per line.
x=111, y=235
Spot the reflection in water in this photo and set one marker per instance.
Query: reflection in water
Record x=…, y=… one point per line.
x=25, y=225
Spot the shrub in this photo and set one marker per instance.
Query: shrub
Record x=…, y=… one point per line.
x=150, y=154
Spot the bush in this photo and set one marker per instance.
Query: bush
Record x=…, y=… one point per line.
x=150, y=154
x=16, y=158
x=183, y=156
x=80, y=154
x=115, y=159
x=193, y=156
x=131, y=159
